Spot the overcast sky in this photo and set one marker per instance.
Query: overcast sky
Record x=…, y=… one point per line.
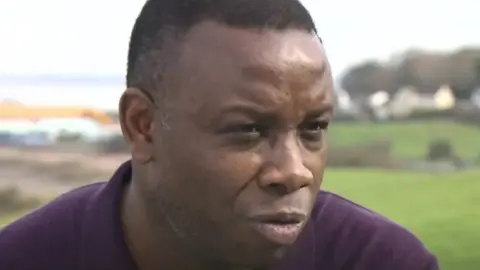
x=91, y=36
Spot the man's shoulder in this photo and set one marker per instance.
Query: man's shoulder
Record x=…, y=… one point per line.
x=351, y=236
x=49, y=235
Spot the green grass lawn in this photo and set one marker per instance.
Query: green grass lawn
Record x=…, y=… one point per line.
x=442, y=210
x=5, y=219
x=409, y=139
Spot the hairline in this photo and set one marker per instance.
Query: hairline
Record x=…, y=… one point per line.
x=173, y=40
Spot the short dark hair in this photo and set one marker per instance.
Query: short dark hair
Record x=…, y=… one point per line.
x=161, y=21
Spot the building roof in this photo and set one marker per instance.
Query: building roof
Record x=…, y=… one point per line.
x=18, y=111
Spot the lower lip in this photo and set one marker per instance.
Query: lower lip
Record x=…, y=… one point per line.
x=282, y=234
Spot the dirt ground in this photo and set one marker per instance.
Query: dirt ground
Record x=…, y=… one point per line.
x=47, y=173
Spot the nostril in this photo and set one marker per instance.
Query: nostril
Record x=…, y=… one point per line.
x=278, y=188
x=303, y=185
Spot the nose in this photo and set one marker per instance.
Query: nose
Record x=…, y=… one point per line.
x=285, y=171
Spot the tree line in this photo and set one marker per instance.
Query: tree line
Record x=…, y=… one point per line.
x=426, y=71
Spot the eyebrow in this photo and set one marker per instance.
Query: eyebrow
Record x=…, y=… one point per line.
x=326, y=109
x=247, y=109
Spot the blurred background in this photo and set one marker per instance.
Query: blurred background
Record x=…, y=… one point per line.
x=405, y=141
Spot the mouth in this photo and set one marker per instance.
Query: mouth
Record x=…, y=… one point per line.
x=281, y=228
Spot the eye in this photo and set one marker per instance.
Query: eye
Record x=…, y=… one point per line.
x=313, y=130
x=245, y=133
x=245, y=129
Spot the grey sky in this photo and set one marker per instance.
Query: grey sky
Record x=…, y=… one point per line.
x=91, y=36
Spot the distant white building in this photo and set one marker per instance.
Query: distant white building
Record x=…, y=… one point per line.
x=404, y=102
x=444, y=98
x=343, y=99
x=475, y=98
x=344, y=102
x=407, y=100
x=87, y=128
x=378, y=102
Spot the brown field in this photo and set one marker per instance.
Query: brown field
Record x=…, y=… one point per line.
x=43, y=172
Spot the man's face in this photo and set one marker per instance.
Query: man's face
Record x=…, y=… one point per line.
x=239, y=158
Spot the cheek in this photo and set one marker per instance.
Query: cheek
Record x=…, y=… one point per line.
x=229, y=173
x=210, y=173
x=316, y=164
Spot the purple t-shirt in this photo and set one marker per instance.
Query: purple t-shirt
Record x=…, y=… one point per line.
x=81, y=230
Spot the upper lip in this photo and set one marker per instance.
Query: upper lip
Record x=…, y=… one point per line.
x=282, y=217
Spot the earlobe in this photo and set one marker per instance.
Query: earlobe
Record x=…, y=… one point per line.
x=141, y=153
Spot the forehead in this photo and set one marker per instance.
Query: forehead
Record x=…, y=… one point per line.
x=274, y=50
x=216, y=61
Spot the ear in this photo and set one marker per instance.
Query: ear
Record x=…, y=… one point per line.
x=137, y=122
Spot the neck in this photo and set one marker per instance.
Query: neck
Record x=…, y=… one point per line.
x=154, y=245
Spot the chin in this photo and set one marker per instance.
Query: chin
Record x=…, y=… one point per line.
x=261, y=255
